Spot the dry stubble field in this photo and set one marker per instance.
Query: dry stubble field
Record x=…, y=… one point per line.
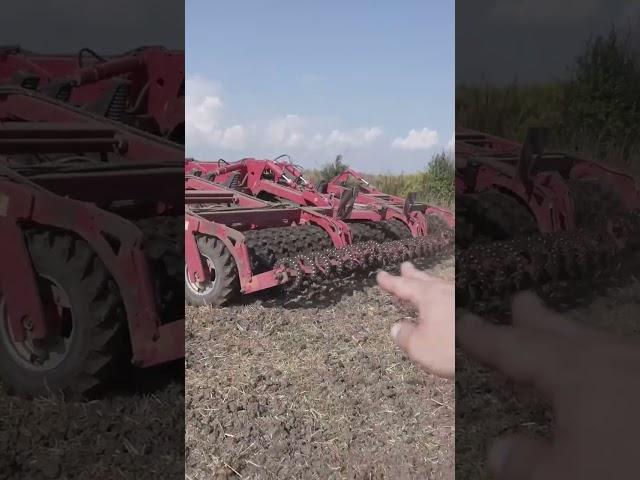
x=488, y=406
x=313, y=389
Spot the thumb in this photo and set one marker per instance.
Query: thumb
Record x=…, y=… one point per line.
x=434, y=359
x=518, y=457
x=402, y=332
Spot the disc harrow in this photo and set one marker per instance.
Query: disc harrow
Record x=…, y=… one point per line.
x=277, y=244
x=303, y=269
x=497, y=270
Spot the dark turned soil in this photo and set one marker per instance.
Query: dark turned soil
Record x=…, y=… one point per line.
x=313, y=388
x=133, y=432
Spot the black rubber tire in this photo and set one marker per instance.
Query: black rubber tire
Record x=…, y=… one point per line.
x=268, y=245
x=464, y=231
x=378, y=231
x=226, y=286
x=436, y=224
x=505, y=215
x=498, y=216
x=164, y=248
x=593, y=203
x=397, y=229
x=99, y=343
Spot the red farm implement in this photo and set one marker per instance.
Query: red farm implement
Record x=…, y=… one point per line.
x=526, y=216
x=238, y=243
x=370, y=195
x=505, y=189
x=143, y=88
x=92, y=258
x=281, y=181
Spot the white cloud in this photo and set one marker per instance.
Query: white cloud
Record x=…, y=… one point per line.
x=310, y=139
x=353, y=138
x=417, y=140
x=294, y=131
x=452, y=142
x=233, y=137
x=203, y=117
x=286, y=131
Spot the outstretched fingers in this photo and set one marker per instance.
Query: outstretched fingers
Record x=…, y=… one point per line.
x=408, y=270
x=530, y=312
x=524, y=355
x=407, y=289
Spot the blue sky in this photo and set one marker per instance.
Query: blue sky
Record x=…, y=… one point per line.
x=371, y=80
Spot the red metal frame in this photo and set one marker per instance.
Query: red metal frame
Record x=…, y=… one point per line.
x=19, y=105
x=210, y=207
x=285, y=181
x=235, y=243
x=136, y=168
x=221, y=201
x=472, y=142
x=370, y=195
x=219, y=206
x=151, y=342
x=216, y=211
x=155, y=76
x=485, y=162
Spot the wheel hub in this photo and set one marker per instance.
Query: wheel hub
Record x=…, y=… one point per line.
x=49, y=352
x=202, y=288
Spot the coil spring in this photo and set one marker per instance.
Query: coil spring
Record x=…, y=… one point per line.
x=64, y=93
x=118, y=103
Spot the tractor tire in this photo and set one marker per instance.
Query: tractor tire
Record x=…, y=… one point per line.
x=465, y=205
x=91, y=343
x=368, y=231
x=268, y=245
x=396, y=230
x=436, y=225
x=498, y=216
x=379, y=231
x=465, y=232
x=164, y=249
x=593, y=203
x=225, y=285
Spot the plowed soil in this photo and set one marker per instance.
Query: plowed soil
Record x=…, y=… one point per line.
x=135, y=433
x=313, y=388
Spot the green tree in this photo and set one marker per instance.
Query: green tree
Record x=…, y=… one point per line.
x=438, y=179
x=332, y=169
x=602, y=99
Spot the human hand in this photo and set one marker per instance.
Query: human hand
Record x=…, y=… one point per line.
x=591, y=379
x=430, y=342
